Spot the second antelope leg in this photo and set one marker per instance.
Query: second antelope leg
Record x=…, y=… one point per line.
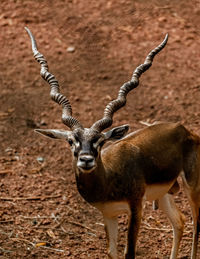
x=195, y=207
x=191, y=181
x=177, y=219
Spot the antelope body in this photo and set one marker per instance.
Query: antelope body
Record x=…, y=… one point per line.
x=143, y=165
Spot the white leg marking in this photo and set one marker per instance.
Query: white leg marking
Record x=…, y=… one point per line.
x=177, y=219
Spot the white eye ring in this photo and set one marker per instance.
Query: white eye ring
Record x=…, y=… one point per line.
x=77, y=144
x=95, y=145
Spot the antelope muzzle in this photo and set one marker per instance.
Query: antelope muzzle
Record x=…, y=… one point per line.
x=86, y=162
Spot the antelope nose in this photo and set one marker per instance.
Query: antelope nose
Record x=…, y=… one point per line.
x=86, y=162
x=86, y=159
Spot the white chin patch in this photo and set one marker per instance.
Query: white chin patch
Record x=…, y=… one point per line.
x=86, y=171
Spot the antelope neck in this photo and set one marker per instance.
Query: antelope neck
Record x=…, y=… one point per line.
x=91, y=185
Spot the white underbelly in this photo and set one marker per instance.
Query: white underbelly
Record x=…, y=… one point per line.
x=113, y=209
x=156, y=191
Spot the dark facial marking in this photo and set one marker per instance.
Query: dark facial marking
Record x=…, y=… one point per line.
x=70, y=141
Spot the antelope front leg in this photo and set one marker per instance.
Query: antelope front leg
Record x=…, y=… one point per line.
x=111, y=228
x=133, y=229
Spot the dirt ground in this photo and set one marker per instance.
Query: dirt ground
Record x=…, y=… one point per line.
x=41, y=213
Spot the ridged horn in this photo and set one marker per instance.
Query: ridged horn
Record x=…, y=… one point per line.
x=118, y=103
x=55, y=94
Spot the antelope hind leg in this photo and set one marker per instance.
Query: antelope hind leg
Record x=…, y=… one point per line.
x=177, y=219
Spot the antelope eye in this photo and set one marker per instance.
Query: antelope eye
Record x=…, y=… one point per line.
x=101, y=143
x=95, y=143
x=70, y=142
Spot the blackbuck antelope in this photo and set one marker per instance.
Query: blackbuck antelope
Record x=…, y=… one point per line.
x=144, y=165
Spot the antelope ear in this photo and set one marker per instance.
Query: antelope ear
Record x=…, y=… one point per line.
x=116, y=133
x=53, y=133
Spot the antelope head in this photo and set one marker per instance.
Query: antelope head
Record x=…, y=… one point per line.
x=86, y=143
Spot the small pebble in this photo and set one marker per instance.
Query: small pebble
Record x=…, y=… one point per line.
x=71, y=49
x=40, y=159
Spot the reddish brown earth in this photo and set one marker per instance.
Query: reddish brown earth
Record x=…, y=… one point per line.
x=41, y=213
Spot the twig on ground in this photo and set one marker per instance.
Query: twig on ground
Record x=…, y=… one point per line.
x=7, y=221
x=35, y=245
x=59, y=223
x=70, y=209
x=36, y=217
x=81, y=225
x=100, y=224
x=158, y=229
x=164, y=7
x=163, y=229
x=53, y=249
x=22, y=240
x=29, y=198
x=6, y=171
